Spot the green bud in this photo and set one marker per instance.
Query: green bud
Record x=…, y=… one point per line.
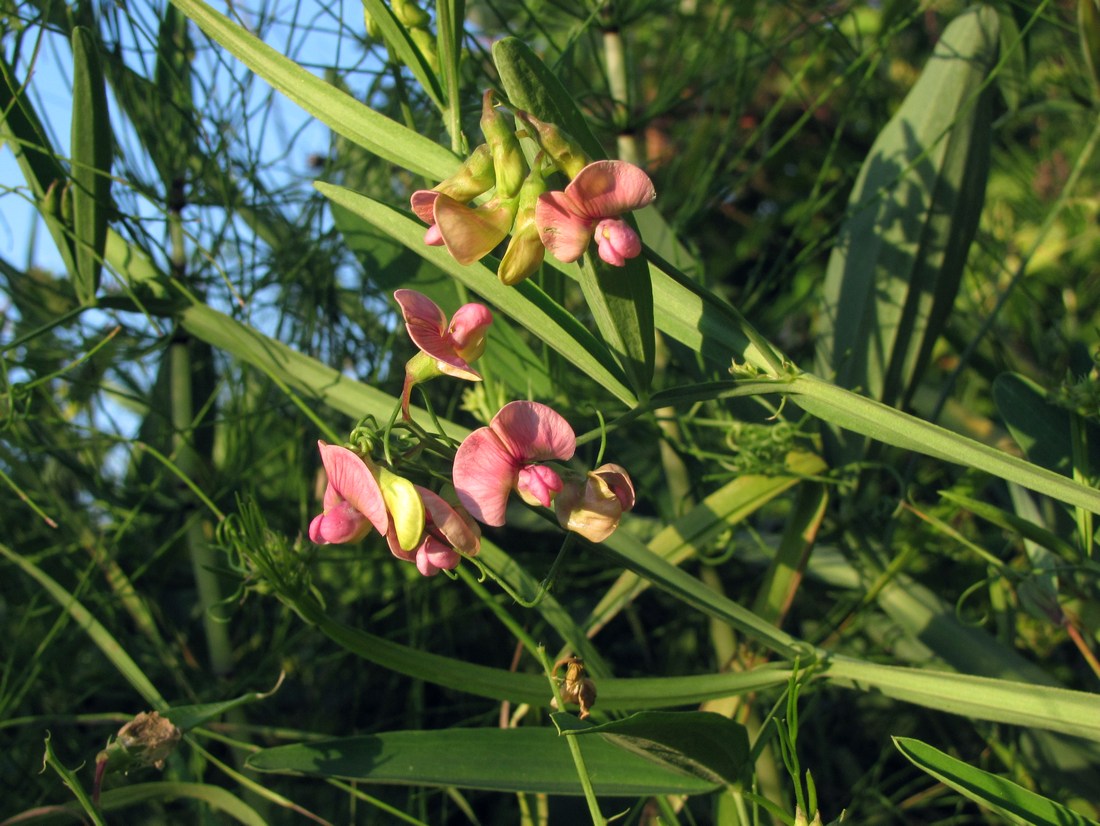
x=565, y=153
x=410, y=14
x=425, y=41
x=474, y=177
x=525, y=251
x=508, y=160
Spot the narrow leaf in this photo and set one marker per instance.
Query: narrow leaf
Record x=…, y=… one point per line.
x=1003, y=701
x=404, y=49
x=509, y=760
x=1004, y=797
x=91, y=164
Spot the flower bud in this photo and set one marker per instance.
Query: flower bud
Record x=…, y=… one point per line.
x=594, y=511
x=525, y=251
x=410, y=14
x=565, y=153
x=508, y=160
x=425, y=41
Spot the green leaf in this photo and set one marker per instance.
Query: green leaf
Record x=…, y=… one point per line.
x=982, y=698
x=870, y=418
x=525, y=303
x=997, y=793
x=620, y=298
x=895, y=269
x=92, y=153
x=186, y=718
x=1015, y=524
x=507, y=760
x=69, y=778
x=700, y=743
x=339, y=111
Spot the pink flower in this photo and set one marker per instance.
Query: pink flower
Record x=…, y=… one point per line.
x=470, y=233
x=448, y=533
x=353, y=500
x=418, y=524
x=494, y=460
x=595, y=510
x=591, y=205
x=454, y=345
x=445, y=349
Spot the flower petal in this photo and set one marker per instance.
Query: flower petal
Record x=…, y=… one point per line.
x=405, y=507
x=349, y=478
x=471, y=234
x=423, y=204
x=427, y=327
x=467, y=330
x=434, y=556
x=484, y=473
x=533, y=432
x=337, y=525
x=607, y=189
x=459, y=531
x=617, y=241
x=563, y=232
x=538, y=484
x=619, y=481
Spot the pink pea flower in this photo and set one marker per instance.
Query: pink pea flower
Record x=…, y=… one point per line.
x=448, y=534
x=353, y=502
x=590, y=206
x=494, y=460
x=445, y=348
x=469, y=233
x=595, y=509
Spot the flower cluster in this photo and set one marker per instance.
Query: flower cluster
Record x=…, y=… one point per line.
x=563, y=222
x=520, y=450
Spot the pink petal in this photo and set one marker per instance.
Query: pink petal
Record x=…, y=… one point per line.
x=337, y=525
x=617, y=241
x=427, y=327
x=349, y=478
x=616, y=478
x=423, y=204
x=563, y=232
x=538, y=485
x=467, y=330
x=532, y=432
x=434, y=556
x=607, y=189
x=433, y=237
x=444, y=521
x=471, y=234
x=484, y=473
